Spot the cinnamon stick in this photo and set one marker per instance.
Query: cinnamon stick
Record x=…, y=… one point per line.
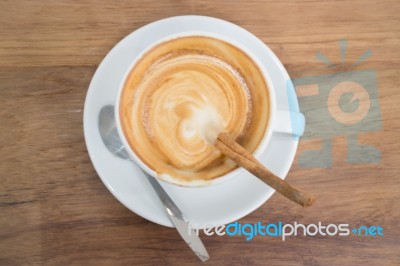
x=242, y=157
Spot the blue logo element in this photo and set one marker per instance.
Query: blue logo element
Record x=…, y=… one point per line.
x=344, y=103
x=368, y=231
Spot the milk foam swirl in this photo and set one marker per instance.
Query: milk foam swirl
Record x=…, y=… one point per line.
x=183, y=100
x=183, y=97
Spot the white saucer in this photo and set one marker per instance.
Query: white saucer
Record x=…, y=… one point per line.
x=218, y=204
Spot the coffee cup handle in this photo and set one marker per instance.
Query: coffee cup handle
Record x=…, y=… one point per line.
x=289, y=122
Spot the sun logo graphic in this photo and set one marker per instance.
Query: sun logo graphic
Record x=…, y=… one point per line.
x=344, y=103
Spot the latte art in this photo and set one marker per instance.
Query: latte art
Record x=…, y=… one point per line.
x=181, y=95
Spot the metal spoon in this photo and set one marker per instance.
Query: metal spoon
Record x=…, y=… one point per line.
x=112, y=141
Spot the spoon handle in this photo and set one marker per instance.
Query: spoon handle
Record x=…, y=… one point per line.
x=178, y=219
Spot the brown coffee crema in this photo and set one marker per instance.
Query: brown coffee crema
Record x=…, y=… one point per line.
x=179, y=93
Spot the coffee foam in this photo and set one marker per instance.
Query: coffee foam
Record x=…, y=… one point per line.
x=181, y=95
x=205, y=122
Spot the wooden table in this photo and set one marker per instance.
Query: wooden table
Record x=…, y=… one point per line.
x=55, y=210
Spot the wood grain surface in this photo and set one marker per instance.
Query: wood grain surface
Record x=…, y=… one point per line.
x=54, y=210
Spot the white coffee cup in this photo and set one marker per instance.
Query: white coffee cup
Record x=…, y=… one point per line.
x=283, y=121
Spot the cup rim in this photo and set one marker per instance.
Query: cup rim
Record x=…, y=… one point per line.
x=262, y=145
